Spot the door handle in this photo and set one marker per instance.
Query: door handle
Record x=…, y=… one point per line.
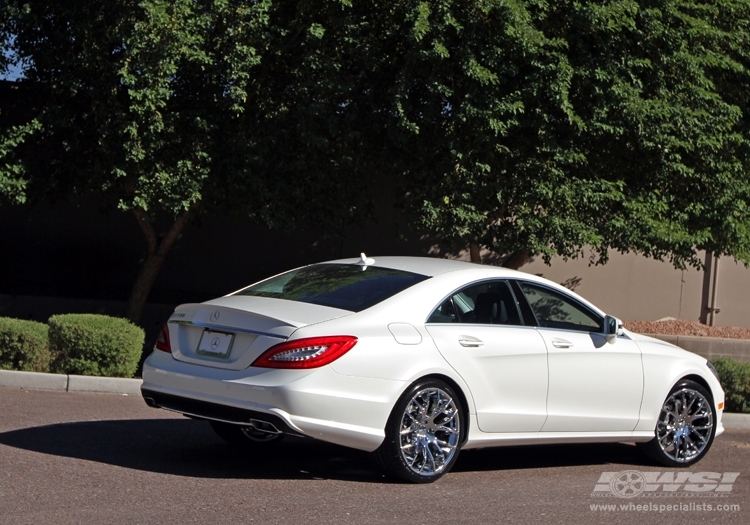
x=561, y=343
x=470, y=342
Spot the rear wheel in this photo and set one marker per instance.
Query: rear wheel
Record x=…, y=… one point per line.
x=244, y=436
x=423, y=433
x=686, y=426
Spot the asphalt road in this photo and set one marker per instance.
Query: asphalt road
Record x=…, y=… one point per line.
x=102, y=458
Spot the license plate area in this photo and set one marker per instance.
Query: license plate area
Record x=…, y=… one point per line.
x=215, y=344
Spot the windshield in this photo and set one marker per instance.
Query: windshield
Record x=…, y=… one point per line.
x=344, y=286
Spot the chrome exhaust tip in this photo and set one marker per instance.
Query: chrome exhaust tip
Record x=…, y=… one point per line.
x=263, y=426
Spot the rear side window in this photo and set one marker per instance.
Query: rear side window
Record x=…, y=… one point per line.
x=490, y=302
x=344, y=286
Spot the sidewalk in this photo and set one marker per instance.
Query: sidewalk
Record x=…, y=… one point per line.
x=132, y=387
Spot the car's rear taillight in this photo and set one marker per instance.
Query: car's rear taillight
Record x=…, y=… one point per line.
x=163, y=342
x=310, y=352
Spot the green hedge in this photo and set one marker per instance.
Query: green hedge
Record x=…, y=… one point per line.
x=95, y=345
x=24, y=345
x=735, y=378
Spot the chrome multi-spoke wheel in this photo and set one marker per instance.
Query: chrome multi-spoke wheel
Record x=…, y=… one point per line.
x=424, y=432
x=430, y=428
x=685, y=425
x=685, y=428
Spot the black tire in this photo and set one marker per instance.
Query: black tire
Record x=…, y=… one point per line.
x=244, y=436
x=686, y=427
x=434, y=412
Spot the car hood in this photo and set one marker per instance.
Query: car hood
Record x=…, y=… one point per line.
x=649, y=344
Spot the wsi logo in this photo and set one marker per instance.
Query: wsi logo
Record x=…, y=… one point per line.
x=632, y=483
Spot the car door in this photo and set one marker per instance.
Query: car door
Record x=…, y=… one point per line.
x=594, y=386
x=479, y=331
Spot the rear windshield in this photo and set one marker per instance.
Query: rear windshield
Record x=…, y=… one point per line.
x=344, y=286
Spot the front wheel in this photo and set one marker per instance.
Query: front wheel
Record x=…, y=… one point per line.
x=686, y=426
x=423, y=433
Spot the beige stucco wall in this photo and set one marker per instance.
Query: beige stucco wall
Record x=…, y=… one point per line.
x=636, y=288
x=733, y=294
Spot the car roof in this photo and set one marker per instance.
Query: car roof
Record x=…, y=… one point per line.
x=429, y=266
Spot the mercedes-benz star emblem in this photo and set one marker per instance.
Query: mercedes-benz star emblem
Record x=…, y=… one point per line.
x=215, y=343
x=215, y=315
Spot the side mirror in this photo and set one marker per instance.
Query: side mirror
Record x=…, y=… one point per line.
x=612, y=328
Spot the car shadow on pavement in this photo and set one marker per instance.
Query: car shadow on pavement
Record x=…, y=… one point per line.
x=549, y=456
x=184, y=447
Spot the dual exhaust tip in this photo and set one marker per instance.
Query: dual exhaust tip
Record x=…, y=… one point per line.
x=264, y=426
x=256, y=424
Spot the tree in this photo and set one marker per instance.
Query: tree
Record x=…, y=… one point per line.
x=160, y=109
x=123, y=117
x=523, y=127
x=543, y=128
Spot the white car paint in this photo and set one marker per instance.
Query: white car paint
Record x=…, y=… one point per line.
x=593, y=385
x=506, y=400
x=518, y=388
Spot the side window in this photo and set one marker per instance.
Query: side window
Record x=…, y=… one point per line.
x=555, y=310
x=445, y=313
x=490, y=302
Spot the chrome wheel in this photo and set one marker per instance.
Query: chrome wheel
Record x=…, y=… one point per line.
x=429, y=431
x=424, y=433
x=685, y=425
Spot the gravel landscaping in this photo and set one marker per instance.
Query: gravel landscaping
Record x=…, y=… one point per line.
x=683, y=327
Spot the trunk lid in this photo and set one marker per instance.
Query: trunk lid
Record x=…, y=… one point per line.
x=231, y=332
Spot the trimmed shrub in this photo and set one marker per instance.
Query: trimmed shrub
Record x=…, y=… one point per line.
x=95, y=345
x=735, y=379
x=24, y=345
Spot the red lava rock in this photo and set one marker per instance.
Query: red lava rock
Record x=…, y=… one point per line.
x=683, y=327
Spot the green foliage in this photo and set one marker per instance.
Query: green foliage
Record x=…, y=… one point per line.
x=12, y=170
x=24, y=345
x=528, y=125
x=162, y=108
x=550, y=126
x=735, y=379
x=95, y=345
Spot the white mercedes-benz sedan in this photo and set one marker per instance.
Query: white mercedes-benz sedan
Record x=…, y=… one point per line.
x=414, y=359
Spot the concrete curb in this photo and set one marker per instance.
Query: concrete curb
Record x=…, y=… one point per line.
x=70, y=383
x=736, y=421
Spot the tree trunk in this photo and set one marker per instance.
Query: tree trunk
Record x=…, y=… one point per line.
x=517, y=259
x=157, y=252
x=474, y=253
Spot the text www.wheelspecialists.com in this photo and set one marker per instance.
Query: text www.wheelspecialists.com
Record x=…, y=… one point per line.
x=665, y=507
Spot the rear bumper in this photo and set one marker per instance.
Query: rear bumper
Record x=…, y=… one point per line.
x=319, y=403
x=214, y=411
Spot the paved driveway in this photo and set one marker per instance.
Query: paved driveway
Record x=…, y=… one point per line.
x=99, y=458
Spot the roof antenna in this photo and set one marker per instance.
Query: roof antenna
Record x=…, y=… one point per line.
x=365, y=261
